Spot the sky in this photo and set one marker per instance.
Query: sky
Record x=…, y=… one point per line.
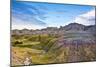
x=37, y=15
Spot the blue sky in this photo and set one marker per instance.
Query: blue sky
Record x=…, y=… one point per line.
x=35, y=15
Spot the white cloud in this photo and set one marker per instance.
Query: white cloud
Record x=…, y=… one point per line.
x=87, y=18
x=19, y=24
x=26, y=27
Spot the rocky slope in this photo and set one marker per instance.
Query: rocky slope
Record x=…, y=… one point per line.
x=55, y=30
x=71, y=43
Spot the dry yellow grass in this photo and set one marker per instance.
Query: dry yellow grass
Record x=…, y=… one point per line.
x=19, y=54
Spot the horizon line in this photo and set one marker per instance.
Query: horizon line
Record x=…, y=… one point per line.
x=50, y=27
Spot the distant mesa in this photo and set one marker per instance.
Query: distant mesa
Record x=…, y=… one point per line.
x=73, y=26
x=78, y=27
x=70, y=27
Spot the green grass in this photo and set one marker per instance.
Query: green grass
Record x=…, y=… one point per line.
x=43, y=49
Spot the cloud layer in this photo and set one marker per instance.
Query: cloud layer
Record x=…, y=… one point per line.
x=27, y=12
x=35, y=15
x=87, y=18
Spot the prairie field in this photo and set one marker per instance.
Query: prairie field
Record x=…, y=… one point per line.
x=51, y=48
